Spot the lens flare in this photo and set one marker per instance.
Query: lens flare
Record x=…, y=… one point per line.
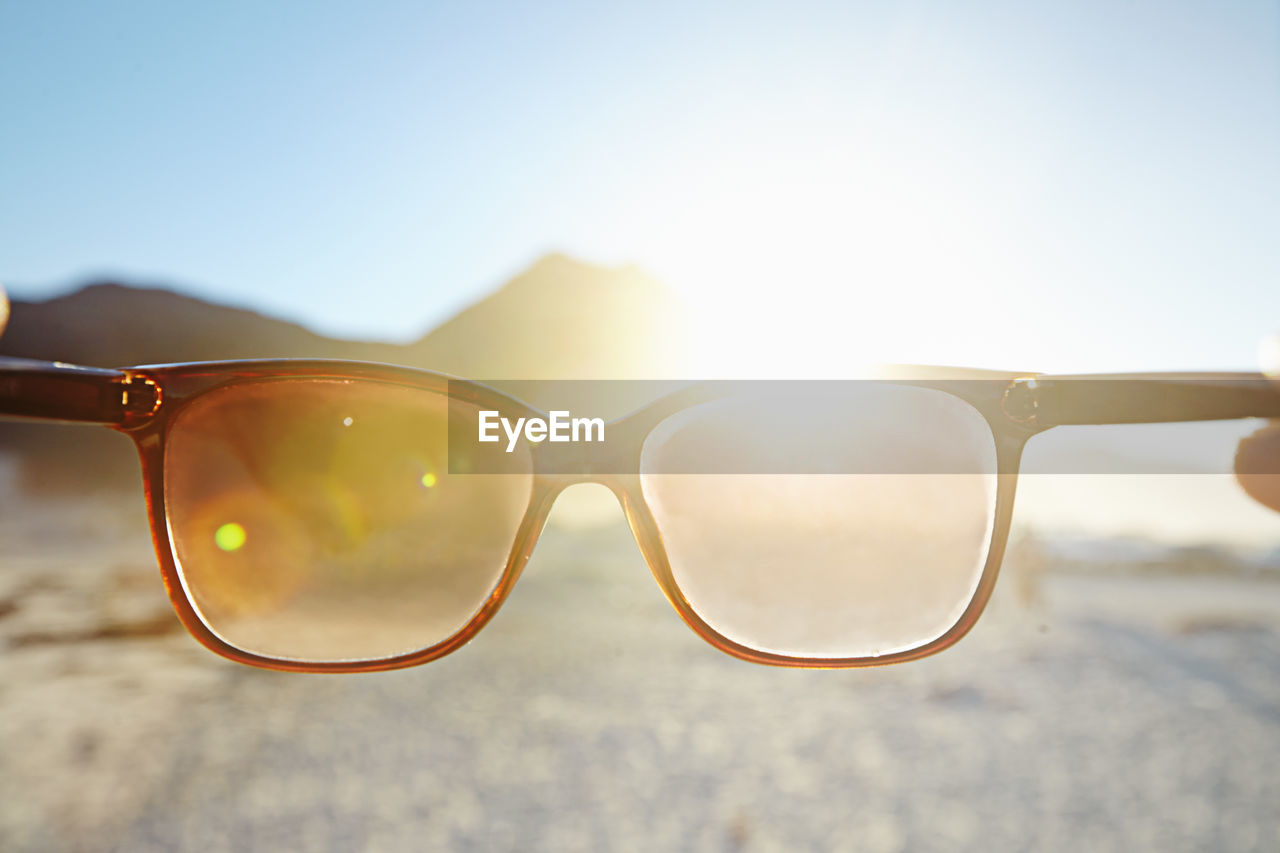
x=230, y=537
x=363, y=548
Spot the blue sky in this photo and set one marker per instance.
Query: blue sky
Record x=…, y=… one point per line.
x=1082, y=186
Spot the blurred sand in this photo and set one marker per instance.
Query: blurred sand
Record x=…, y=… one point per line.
x=1112, y=715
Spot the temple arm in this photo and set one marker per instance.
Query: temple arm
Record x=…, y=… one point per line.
x=1133, y=398
x=63, y=392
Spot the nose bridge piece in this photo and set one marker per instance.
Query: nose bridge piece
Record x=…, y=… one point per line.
x=585, y=504
x=613, y=464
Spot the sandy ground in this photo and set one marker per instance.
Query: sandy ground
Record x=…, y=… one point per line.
x=1110, y=715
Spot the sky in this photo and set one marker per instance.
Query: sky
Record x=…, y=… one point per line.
x=1085, y=186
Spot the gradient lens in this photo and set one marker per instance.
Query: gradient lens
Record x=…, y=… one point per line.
x=316, y=519
x=835, y=524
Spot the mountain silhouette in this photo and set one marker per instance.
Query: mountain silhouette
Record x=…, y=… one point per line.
x=113, y=325
x=563, y=319
x=559, y=319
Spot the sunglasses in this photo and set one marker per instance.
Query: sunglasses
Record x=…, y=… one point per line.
x=332, y=516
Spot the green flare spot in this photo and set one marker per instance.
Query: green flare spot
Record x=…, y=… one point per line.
x=229, y=537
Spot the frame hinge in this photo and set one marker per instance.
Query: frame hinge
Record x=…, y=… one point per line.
x=1020, y=401
x=140, y=397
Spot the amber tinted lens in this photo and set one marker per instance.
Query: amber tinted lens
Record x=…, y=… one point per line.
x=315, y=519
x=882, y=554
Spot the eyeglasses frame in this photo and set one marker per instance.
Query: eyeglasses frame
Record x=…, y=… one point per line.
x=143, y=401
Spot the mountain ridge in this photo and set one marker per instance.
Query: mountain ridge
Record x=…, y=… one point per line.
x=560, y=318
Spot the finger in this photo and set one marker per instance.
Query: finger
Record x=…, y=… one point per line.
x=1257, y=465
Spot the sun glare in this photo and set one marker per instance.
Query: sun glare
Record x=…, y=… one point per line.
x=798, y=264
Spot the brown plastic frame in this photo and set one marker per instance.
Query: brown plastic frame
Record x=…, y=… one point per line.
x=142, y=402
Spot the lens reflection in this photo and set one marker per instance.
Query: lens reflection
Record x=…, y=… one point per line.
x=315, y=519
x=866, y=533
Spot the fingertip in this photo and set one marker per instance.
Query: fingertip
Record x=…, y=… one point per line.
x=1257, y=466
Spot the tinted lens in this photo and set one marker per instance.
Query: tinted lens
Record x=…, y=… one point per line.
x=315, y=519
x=869, y=536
